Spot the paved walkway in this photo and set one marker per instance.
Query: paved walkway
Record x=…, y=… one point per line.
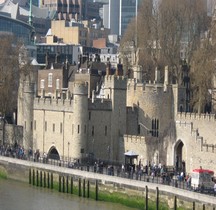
x=193, y=196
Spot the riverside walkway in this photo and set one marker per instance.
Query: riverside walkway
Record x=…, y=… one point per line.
x=139, y=185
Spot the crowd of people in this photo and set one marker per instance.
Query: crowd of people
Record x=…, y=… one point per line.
x=15, y=151
x=18, y=151
x=152, y=172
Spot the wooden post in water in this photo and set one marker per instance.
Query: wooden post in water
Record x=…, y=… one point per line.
x=48, y=180
x=157, y=198
x=33, y=177
x=37, y=178
x=175, y=203
x=193, y=205
x=71, y=190
x=67, y=183
x=40, y=178
x=203, y=206
x=88, y=188
x=59, y=183
x=51, y=180
x=96, y=190
x=79, y=187
x=44, y=179
x=63, y=184
x=84, y=188
x=30, y=176
x=146, y=198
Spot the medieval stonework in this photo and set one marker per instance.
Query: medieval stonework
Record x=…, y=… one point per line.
x=102, y=116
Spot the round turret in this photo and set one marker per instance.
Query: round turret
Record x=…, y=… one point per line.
x=80, y=120
x=27, y=108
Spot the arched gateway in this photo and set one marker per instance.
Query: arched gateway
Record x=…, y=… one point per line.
x=53, y=154
x=179, y=156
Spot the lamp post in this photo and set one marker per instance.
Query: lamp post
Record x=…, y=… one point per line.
x=68, y=150
x=108, y=151
x=93, y=147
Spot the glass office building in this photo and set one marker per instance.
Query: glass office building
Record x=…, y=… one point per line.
x=21, y=30
x=128, y=10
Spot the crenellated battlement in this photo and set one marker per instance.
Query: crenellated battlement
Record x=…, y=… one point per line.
x=209, y=148
x=146, y=87
x=80, y=88
x=100, y=104
x=135, y=139
x=196, y=116
x=115, y=78
x=154, y=88
x=117, y=82
x=53, y=104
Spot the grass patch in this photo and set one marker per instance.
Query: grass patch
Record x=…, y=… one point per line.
x=129, y=201
x=3, y=174
x=132, y=201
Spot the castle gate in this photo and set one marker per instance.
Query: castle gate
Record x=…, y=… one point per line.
x=179, y=156
x=53, y=154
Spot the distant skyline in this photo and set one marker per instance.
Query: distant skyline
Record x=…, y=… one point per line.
x=210, y=7
x=117, y=14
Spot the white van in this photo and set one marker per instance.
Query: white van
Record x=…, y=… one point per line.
x=202, y=179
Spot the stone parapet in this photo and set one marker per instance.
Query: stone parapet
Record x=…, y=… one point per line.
x=196, y=116
x=53, y=104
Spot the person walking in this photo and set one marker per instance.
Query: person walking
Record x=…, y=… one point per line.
x=215, y=189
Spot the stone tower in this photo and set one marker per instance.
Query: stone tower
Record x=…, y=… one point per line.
x=25, y=112
x=80, y=119
x=115, y=89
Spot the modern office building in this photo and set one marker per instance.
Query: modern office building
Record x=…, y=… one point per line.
x=21, y=31
x=128, y=10
x=65, y=10
x=20, y=11
x=118, y=13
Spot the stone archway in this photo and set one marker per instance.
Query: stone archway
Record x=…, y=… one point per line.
x=53, y=154
x=180, y=156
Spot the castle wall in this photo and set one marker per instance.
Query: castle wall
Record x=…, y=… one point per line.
x=196, y=132
x=27, y=108
x=56, y=104
x=80, y=119
x=88, y=126
x=11, y=133
x=205, y=124
x=147, y=148
x=48, y=131
x=115, y=89
x=152, y=102
x=99, y=134
x=132, y=121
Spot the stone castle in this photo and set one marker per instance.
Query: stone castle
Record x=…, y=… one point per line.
x=89, y=113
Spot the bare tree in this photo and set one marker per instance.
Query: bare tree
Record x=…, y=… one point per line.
x=9, y=75
x=202, y=70
x=163, y=28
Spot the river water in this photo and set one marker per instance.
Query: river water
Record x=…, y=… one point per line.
x=21, y=196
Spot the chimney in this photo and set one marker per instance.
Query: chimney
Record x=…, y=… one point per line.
x=157, y=75
x=119, y=70
x=93, y=95
x=166, y=78
x=108, y=69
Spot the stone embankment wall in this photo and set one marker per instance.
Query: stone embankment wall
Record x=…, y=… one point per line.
x=19, y=170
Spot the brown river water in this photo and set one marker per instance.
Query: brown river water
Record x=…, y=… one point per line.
x=16, y=195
